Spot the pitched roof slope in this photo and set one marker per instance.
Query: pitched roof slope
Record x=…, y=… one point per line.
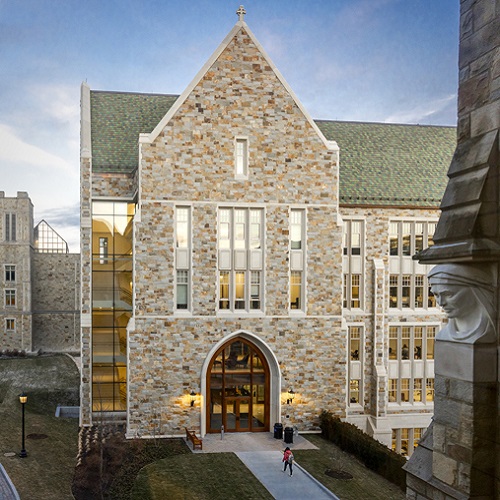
x=117, y=120
x=391, y=165
x=380, y=163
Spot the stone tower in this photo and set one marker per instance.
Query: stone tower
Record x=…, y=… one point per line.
x=459, y=457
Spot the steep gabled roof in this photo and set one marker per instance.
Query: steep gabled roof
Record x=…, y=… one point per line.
x=117, y=120
x=239, y=26
x=380, y=163
x=391, y=165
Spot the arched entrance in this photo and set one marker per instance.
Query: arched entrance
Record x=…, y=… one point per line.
x=238, y=388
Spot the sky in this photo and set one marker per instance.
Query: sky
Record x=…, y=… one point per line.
x=357, y=60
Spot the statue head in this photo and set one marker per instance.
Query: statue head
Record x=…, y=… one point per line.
x=466, y=293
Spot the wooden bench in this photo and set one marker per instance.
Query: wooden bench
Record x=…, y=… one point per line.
x=197, y=442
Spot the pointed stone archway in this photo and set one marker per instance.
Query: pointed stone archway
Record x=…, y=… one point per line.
x=240, y=386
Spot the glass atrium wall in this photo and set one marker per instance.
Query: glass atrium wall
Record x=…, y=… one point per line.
x=47, y=240
x=111, y=302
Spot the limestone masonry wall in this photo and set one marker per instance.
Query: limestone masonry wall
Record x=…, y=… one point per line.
x=56, y=301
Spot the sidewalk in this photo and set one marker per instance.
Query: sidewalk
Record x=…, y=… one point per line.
x=262, y=454
x=267, y=468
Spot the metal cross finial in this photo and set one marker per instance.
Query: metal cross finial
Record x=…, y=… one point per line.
x=241, y=13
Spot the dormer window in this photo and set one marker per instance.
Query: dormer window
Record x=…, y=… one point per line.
x=241, y=157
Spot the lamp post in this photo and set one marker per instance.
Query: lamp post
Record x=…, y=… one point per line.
x=23, y=398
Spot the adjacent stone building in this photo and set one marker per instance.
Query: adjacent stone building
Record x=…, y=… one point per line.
x=244, y=264
x=40, y=307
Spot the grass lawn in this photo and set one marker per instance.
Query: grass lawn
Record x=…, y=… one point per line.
x=198, y=477
x=365, y=484
x=223, y=475
x=47, y=472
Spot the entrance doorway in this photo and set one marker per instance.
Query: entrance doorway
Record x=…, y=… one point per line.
x=238, y=389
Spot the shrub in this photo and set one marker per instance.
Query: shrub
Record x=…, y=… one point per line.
x=372, y=453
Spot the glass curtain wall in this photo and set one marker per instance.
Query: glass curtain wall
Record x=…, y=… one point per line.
x=111, y=302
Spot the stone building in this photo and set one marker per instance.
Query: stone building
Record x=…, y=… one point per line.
x=40, y=283
x=244, y=264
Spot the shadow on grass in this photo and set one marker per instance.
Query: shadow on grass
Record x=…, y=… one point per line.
x=365, y=484
x=197, y=477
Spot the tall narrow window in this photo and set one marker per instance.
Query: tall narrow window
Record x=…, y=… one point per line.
x=10, y=227
x=419, y=290
x=241, y=157
x=255, y=290
x=296, y=229
x=429, y=389
x=355, y=237
x=296, y=290
x=240, y=241
x=406, y=290
x=224, y=290
x=393, y=290
x=297, y=258
x=355, y=364
x=353, y=263
x=182, y=289
x=182, y=258
x=355, y=295
x=10, y=273
x=393, y=238
x=10, y=324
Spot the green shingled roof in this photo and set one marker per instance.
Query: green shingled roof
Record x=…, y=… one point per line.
x=380, y=164
x=117, y=119
x=388, y=164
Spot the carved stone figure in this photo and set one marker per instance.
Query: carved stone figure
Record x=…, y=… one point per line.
x=466, y=292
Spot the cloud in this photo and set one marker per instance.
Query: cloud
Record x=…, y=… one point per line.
x=361, y=13
x=58, y=102
x=422, y=112
x=14, y=150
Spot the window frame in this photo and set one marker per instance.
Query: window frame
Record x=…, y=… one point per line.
x=10, y=298
x=10, y=273
x=10, y=232
x=241, y=159
x=353, y=254
x=355, y=355
x=183, y=252
x=407, y=350
x=237, y=277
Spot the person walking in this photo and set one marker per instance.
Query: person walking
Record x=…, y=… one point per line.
x=288, y=459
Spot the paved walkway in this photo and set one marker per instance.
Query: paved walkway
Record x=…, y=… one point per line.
x=7, y=489
x=262, y=454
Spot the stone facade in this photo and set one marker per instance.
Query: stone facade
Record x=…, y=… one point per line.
x=15, y=250
x=56, y=302
x=46, y=313
x=188, y=160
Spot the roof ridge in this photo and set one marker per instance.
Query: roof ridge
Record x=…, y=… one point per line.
x=133, y=93
x=356, y=122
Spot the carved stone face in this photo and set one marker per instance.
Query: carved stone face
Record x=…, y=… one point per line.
x=456, y=301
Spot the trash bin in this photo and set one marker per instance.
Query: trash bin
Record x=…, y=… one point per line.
x=288, y=435
x=278, y=431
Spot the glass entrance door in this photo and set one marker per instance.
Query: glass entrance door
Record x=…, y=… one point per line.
x=238, y=415
x=238, y=389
